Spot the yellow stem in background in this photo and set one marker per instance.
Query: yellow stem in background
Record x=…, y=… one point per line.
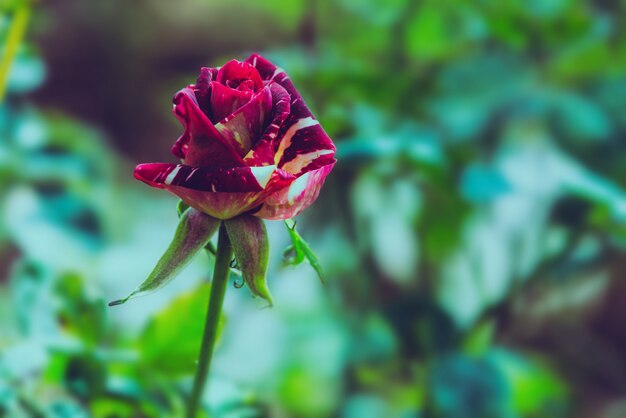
x=14, y=39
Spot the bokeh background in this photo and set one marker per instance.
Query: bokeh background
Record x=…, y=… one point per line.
x=472, y=233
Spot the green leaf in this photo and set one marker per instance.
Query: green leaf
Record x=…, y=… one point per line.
x=192, y=234
x=301, y=251
x=170, y=342
x=80, y=311
x=248, y=237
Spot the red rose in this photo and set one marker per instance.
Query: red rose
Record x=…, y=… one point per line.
x=250, y=144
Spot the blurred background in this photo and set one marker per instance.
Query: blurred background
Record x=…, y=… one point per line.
x=472, y=233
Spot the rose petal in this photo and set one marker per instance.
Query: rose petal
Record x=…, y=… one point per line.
x=265, y=68
x=293, y=199
x=244, y=127
x=219, y=192
x=225, y=100
x=301, y=139
x=235, y=72
x=262, y=153
x=202, y=89
x=201, y=143
x=214, y=179
x=301, y=143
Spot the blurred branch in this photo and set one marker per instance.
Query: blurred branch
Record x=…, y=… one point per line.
x=14, y=39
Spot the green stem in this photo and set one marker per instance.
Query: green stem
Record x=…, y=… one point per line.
x=14, y=39
x=218, y=289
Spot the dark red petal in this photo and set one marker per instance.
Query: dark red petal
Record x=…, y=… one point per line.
x=219, y=192
x=301, y=142
x=203, y=89
x=262, y=153
x=201, y=144
x=213, y=179
x=266, y=69
x=235, y=72
x=301, y=139
x=293, y=199
x=224, y=100
x=246, y=85
x=244, y=127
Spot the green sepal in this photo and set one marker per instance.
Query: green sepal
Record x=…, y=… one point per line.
x=181, y=208
x=248, y=237
x=194, y=231
x=299, y=251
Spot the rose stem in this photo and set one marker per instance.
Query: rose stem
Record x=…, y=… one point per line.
x=218, y=289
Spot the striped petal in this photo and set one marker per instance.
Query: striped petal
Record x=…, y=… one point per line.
x=293, y=199
x=262, y=153
x=301, y=139
x=244, y=127
x=219, y=192
x=201, y=143
x=225, y=100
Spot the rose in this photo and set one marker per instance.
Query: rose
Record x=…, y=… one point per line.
x=250, y=144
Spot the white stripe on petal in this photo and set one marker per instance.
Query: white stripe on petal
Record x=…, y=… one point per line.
x=293, y=129
x=191, y=174
x=263, y=174
x=297, y=187
x=294, y=166
x=170, y=177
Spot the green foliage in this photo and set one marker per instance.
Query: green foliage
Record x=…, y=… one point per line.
x=301, y=251
x=171, y=340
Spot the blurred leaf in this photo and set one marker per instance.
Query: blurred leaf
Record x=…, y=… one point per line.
x=365, y=406
x=535, y=388
x=469, y=388
x=85, y=376
x=306, y=393
x=482, y=184
x=27, y=72
x=581, y=118
x=376, y=12
x=480, y=339
x=170, y=343
x=79, y=311
x=105, y=408
x=387, y=205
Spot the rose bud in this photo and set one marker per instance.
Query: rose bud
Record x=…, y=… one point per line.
x=250, y=149
x=250, y=144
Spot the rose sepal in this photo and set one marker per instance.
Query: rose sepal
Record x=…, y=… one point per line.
x=193, y=233
x=248, y=237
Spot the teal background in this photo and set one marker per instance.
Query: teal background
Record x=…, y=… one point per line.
x=472, y=233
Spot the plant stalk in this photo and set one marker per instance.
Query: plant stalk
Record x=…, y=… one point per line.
x=13, y=41
x=218, y=290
